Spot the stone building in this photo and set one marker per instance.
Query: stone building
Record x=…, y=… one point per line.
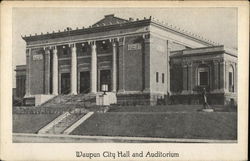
x=141, y=62
x=213, y=68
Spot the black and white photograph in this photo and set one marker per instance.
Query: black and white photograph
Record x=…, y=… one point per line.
x=133, y=75
x=125, y=75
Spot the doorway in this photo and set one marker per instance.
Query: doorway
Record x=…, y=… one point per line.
x=65, y=83
x=105, y=78
x=85, y=82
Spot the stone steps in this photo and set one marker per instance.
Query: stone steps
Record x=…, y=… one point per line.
x=76, y=101
x=62, y=125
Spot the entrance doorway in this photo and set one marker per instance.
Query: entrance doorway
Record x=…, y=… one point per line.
x=105, y=78
x=85, y=82
x=65, y=83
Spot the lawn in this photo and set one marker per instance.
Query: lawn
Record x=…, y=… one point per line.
x=166, y=108
x=31, y=123
x=191, y=125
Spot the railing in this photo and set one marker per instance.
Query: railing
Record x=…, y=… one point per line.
x=17, y=101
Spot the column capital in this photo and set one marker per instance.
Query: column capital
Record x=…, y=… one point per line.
x=72, y=45
x=121, y=41
x=92, y=42
x=55, y=50
x=114, y=44
x=146, y=36
x=221, y=60
x=47, y=50
x=28, y=51
x=216, y=61
x=54, y=47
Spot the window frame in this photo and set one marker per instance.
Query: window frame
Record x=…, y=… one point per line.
x=205, y=69
x=162, y=78
x=157, y=77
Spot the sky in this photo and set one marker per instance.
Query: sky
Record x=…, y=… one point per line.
x=216, y=24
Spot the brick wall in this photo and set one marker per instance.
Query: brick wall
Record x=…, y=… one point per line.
x=37, y=71
x=133, y=64
x=158, y=63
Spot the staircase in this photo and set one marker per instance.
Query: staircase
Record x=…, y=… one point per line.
x=60, y=125
x=73, y=101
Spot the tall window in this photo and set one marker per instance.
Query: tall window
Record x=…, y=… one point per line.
x=157, y=77
x=203, y=76
x=231, y=79
x=162, y=78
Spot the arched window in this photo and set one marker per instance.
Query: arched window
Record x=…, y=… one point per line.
x=231, y=79
x=203, y=75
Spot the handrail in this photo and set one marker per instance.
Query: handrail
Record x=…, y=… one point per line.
x=18, y=100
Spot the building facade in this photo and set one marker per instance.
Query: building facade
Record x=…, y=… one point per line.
x=141, y=62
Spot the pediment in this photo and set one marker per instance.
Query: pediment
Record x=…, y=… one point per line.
x=109, y=20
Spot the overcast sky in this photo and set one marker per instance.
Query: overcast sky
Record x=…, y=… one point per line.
x=216, y=24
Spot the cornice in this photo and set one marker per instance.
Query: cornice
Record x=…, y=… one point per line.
x=83, y=31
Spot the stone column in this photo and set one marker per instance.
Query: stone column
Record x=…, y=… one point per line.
x=226, y=76
x=216, y=75
x=146, y=63
x=236, y=79
x=27, y=83
x=185, y=78
x=47, y=71
x=222, y=75
x=190, y=83
x=93, y=67
x=73, y=70
x=55, y=72
x=114, y=71
x=168, y=66
x=121, y=64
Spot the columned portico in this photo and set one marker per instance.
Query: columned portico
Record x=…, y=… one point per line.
x=55, y=72
x=93, y=74
x=73, y=70
x=114, y=72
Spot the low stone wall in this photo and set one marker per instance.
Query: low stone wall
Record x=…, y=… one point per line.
x=188, y=99
x=140, y=99
x=213, y=99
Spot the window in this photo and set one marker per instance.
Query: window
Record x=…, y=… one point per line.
x=162, y=77
x=203, y=76
x=231, y=79
x=157, y=77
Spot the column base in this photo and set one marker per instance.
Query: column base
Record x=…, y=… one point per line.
x=27, y=95
x=146, y=90
x=121, y=91
x=55, y=94
x=73, y=93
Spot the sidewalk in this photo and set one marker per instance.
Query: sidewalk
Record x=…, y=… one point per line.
x=50, y=138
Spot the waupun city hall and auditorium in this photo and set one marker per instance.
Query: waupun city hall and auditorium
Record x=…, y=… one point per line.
x=139, y=61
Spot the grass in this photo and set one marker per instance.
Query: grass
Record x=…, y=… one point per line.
x=31, y=123
x=191, y=125
x=166, y=108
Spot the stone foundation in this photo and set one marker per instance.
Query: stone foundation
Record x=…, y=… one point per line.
x=213, y=99
x=140, y=99
x=29, y=101
x=188, y=99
